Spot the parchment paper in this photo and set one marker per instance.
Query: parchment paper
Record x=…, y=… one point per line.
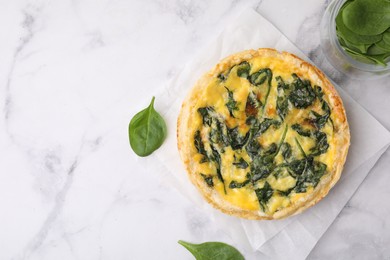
x=294, y=237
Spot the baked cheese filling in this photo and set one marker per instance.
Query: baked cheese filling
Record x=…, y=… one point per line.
x=262, y=135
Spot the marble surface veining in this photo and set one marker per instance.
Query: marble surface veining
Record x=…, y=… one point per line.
x=72, y=73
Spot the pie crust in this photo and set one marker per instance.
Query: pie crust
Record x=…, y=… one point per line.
x=339, y=140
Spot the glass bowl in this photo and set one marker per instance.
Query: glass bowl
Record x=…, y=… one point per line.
x=336, y=55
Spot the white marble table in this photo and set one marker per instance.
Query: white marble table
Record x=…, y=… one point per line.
x=72, y=73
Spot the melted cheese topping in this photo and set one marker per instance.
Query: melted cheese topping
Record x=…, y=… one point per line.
x=216, y=95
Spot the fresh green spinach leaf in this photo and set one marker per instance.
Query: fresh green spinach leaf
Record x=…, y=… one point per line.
x=375, y=49
x=362, y=28
x=350, y=35
x=358, y=47
x=386, y=36
x=147, y=131
x=383, y=45
x=212, y=251
x=369, y=59
x=367, y=17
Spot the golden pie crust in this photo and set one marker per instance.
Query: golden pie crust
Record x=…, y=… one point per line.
x=339, y=140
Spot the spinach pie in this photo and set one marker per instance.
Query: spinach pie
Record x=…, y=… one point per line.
x=263, y=135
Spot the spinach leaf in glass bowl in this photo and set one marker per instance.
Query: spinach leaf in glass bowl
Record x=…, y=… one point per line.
x=363, y=30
